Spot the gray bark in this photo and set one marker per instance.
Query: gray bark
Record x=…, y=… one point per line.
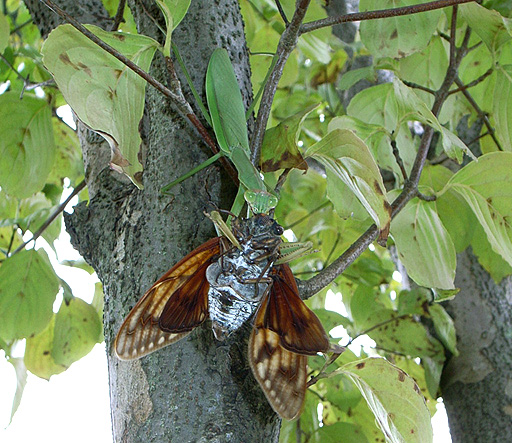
x=197, y=389
x=476, y=385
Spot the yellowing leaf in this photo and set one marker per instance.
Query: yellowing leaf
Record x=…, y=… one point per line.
x=28, y=286
x=105, y=94
x=280, y=149
x=502, y=107
x=349, y=160
x=27, y=148
x=77, y=330
x=38, y=353
x=424, y=245
x=394, y=398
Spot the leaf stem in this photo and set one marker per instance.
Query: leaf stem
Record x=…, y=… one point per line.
x=52, y=216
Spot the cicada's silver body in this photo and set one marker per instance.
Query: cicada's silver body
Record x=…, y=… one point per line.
x=240, y=277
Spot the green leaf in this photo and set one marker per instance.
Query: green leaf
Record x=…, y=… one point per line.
x=444, y=326
x=280, y=149
x=486, y=187
x=225, y=103
x=397, y=36
x=77, y=330
x=490, y=26
x=502, y=107
x=174, y=11
x=21, y=381
x=4, y=32
x=349, y=432
x=394, y=398
x=105, y=94
x=349, y=160
x=350, y=78
x=424, y=245
x=433, y=370
x=38, y=353
x=27, y=148
x=414, y=301
x=411, y=107
x=28, y=286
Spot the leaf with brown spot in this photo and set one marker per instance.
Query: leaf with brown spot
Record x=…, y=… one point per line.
x=280, y=149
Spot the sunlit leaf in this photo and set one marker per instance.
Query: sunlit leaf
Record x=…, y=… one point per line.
x=397, y=36
x=394, y=398
x=485, y=185
x=21, y=381
x=489, y=25
x=502, y=107
x=38, y=353
x=28, y=286
x=350, y=162
x=424, y=246
x=77, y=330
x=27, y=148
x=105, y=94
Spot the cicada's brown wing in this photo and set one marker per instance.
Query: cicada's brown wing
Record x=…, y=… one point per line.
x=171, y=308
x=285, y=332
x=287, y=315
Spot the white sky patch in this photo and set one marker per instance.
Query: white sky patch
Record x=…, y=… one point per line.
x=66, y=114
x=397, y=276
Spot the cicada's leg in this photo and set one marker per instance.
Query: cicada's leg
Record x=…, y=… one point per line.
x=291, y=251
x=224, y=229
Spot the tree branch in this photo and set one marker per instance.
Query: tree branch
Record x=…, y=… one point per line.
x=286, y=45
x=382, y=13
x=410, y=190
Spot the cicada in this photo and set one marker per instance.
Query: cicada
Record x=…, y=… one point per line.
x=229, y=279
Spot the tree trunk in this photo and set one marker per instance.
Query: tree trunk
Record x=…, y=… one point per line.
x=476, y=385
x=197, y=389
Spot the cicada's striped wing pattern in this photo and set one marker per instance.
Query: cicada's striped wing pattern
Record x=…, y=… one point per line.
x=285, y=332
x=171, y=308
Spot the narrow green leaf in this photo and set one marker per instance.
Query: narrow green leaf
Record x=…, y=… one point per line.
x=27, y=147
x=349, y=432
x=350, y=161
x=502, y=107
x=28, y=286
x=77, y=330
x=445, y=328
x=350, y=78
x=486, y=187
x=280, y=149
x=394, y=398
x=4, y=32
x=397, y=36
x=225, y=103
x=424, y=245
x=38, y=353
x=105, y=94
x=21, y=381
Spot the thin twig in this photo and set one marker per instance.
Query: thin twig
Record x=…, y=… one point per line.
x=382, y=13
x=474, y=82
x=479, y=111
x=287, y=44
x=118, y=18
x=398, y=159
x=417, y=86
x=282, y=13
x=52, y=216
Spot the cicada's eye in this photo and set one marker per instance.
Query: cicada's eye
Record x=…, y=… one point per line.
x=277, y=229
